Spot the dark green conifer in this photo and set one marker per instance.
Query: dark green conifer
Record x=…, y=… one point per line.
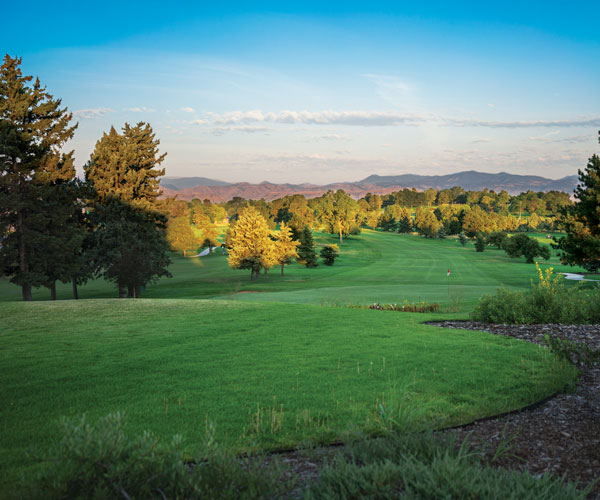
x=130, y=246
x=306, y=250
x=33, y=130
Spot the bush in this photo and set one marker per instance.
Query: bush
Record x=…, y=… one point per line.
x=522, y=245
x=100, y=461
x=462, y=238
x=480, y=242
x=548, y=301
x=329, y=253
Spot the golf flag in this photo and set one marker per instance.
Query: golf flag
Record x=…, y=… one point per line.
x=448, y=272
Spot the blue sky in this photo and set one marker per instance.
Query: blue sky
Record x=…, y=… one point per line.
x=303, y=92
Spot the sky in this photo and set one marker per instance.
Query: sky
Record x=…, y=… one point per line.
x=325, y=92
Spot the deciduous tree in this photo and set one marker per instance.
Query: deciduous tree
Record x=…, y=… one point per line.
x=250, y=245
x=285, y=246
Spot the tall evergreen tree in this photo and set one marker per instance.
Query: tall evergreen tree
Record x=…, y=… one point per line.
x=33, y=130
x=581, y=220
x=130, y=245
x=306, y=250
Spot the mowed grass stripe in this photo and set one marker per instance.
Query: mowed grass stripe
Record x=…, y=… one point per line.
x=173, y=365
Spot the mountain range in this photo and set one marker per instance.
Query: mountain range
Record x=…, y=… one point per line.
x=187, y=188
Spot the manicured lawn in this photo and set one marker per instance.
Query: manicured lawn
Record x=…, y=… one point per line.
x=373, y=267
x=267, y=375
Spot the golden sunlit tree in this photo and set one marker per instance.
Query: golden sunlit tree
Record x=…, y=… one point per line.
x=181, y=236
x=250, y=245
x=285, y=247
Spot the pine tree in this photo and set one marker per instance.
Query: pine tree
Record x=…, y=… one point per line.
x=581, y=220
x=306, y=250
x=130, y=247
x=285, y=246
x=249, y=242
x=329, y=253
x=33, y=130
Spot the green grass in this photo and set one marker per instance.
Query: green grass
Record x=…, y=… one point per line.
x=174, y=365
x=373, y=267
x=272, y=368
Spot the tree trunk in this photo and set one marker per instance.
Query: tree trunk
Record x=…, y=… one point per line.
x=137, y=292
x=23, y=266
x=122, y=291
x=53, y=290
x=341, y=241
x=282, y=269
x=252, y=274
x=75, y=294
x=265, y=270
x=130, y=291
x=184, y=253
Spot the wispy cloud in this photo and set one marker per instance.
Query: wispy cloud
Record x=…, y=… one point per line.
x=92, y=113
x=246, y=129
x=385, y=119
x=140, y=109
x=481, y=140
x=188, y=110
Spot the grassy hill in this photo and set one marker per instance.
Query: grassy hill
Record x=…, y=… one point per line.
x=273, y=368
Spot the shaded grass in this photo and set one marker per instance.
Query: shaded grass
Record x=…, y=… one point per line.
x=267, y=375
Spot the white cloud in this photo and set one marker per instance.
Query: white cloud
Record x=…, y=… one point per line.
x=197, y=122
x=247, y=129
x=187, y=109
x=385, y=119
x=142, y=109
x=480, y=140
x=92, y=113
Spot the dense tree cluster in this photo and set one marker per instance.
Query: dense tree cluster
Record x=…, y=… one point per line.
x=54, y=227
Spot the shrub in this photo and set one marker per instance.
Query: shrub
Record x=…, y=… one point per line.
x=462, y=238
x=548, y=301
x=522, y=245
x=479, y=242
x=100, y=461
x=329, y=253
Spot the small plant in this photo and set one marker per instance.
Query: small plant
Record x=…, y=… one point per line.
x=420, y=307
x=578, y=353
x=101, y=461
x=329, y=253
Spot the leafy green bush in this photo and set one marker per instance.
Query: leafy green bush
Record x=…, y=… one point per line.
x=522, y=245
x=480, y=242
x=100, y=461
x=548, y=301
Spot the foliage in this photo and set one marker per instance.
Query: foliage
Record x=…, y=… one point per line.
x=427, y=466
x=548, y=301
x=578, y=353
x=250, y=243
x=480, y=242
x=426, y=222
x=130, y=246
x=33, y=131
x=522, y=245
x=462, y=238
x=329, y=253
x=180, y=235
x=101, y=461
x=338, y=213
x=497, y=239
x=285, y=246
x=419, y=307
x=581, y=220
x=306, y=250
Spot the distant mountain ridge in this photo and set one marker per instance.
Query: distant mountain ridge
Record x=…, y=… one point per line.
x=187, y=188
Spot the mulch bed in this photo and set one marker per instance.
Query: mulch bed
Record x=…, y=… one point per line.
x=560, y=436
